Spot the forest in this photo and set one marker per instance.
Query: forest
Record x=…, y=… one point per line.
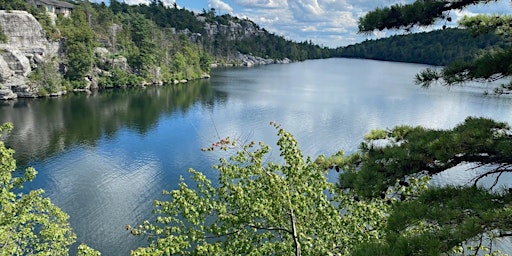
x=438, y=47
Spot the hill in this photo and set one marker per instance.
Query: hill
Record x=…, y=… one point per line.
x=438, y=47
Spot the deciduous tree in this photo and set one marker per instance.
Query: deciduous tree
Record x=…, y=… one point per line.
x=30, y=224
x=257, y=207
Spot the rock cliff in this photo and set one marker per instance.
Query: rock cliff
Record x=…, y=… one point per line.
x=234, y=31
x=26, y=47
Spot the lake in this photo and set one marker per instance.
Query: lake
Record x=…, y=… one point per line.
x=104, y=157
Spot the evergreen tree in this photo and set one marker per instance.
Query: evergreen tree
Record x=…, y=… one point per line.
x=441, y=219
x=80, y=43
x=489, y=66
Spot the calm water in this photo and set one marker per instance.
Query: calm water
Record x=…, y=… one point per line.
x=104, y=157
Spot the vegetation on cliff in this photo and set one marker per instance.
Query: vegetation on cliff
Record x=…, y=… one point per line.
x=148, y=44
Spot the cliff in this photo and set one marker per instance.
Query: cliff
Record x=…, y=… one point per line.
x=26, y=47
x=174, y=45
x=229, y=32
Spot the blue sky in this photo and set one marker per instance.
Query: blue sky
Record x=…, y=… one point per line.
x=329, y=23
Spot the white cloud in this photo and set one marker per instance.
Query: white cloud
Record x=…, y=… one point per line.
x=131, y=2
x=263, y=3
x=306, y=10
x=308, y=29
x=220, y=6
x=265, y=20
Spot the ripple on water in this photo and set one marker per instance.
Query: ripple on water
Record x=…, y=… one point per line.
x=93, y=180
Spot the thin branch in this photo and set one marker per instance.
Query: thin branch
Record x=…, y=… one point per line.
x=479, y=245
x=496, y=181
x=500, y=169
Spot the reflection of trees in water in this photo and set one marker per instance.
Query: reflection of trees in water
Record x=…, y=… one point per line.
x=49, y=125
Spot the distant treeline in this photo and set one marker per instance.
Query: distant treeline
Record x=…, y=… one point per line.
x=438, y=47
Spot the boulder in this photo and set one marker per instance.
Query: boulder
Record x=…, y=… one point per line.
x=16, y=61
x=5, y=71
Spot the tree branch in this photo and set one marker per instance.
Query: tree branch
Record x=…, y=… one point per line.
x=294, y=234
x=498, y=170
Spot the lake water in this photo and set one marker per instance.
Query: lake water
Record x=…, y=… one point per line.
x=103, y=158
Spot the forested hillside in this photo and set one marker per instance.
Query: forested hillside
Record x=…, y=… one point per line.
x=119, y=45
x=438, y=47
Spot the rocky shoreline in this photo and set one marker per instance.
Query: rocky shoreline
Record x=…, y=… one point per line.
x=27, y=48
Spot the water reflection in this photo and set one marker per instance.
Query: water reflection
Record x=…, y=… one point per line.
x=45, y=126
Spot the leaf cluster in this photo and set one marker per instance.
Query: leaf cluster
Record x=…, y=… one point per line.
x=30, y=224
x=418, y=13
x=443, y=219
x=382, y=160
x=257, y=207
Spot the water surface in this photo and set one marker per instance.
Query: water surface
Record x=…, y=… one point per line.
x=104, y=157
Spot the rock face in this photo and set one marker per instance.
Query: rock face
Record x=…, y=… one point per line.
x=233, y=31
x=25, y=49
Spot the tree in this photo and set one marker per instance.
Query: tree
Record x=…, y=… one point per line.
x=30, y=224
x=440, y=219
x=80, y=43
x=14, y=5
x=256, y=207
x=490, y=65
x=145, y=58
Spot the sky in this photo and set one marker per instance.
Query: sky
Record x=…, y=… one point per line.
x=330, y=23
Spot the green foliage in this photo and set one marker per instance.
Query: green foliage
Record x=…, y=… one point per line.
x=276, y=47
x=413, y=150
x=47, y=78
x=46, y=22
x=166, y=17
x=29, y=223
x=14, y=5
x=441, y=220
x=261, y=208
x=146, y=54
x=119, y=78
x=84, y=250
x=490, y=65
x=80, y=43
x=484, y=24
x=439, y=47
x=397, y=163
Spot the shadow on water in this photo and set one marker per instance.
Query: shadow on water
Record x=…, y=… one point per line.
x=43, y=127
